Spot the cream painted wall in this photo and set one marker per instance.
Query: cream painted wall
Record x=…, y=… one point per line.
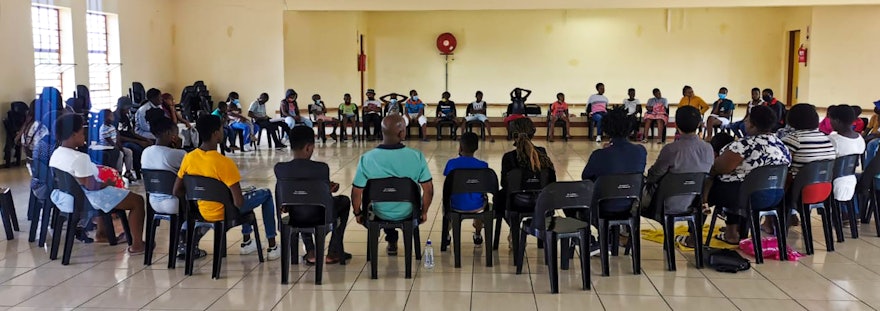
x=231, y=45
x=842, y=56
x=17, y=55
x=552, y=51
x=146, y=43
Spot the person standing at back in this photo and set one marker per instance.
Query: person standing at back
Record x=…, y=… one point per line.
x=392, y=159
x=598, y=104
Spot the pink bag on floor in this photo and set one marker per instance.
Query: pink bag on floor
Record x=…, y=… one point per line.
x=770, y=249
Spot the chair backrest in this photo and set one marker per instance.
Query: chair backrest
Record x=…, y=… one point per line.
x=138, y=92
x=869, y=171
x=50, y=101
x=622, y=186
x=393, y=189
x=308, y=197
x=562, y=195
x=66, y=183
x=846, y=165
x=816, y=172
x=533, y=110
x=524, y=181
x=159, y=181
x=679, y=187
x=765, y=178
x=480, y=180
x=83, y=99
x=200, y=188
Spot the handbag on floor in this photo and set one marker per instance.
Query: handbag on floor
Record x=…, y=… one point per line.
x=725, y=260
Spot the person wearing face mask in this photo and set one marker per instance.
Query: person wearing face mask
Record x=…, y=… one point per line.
x=319, y=111
x=722, y=111
x=257, y=112
x=415, y=110
x=777, y=106
x=290, y=110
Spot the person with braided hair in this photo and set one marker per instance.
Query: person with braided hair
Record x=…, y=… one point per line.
x=526, y=156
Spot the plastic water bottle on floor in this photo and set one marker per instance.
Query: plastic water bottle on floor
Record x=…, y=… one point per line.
x=428, y=259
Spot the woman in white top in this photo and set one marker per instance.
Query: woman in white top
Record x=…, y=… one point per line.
x=846, y=142
x=101, y=195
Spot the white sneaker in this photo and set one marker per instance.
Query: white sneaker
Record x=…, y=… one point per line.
x=248, y=247
x=273, y=253
x=285, y=140
x=248, y=148
x=598, y=138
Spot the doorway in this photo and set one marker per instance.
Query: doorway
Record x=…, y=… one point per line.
x=791, y=87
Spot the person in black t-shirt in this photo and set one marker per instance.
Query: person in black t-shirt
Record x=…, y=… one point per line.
x=446, y=113
x=302, y=141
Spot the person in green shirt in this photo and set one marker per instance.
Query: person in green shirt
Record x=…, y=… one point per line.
x=392, y=159
x=348, y=114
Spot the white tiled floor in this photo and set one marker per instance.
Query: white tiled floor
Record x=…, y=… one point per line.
x=104, y=277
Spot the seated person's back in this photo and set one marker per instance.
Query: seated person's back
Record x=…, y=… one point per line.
x=165, y=157
x=620, y=157
x=806, y=144
x=392, y=161
x=466, y=202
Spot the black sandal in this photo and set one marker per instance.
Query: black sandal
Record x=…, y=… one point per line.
x=723, y=238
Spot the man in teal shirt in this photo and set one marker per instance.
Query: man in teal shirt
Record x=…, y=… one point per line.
x=392, y=159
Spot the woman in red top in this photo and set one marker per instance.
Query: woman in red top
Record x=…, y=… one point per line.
x=559, y=111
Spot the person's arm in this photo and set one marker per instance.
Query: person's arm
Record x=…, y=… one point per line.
x=285, y=111
x=660, y=167
x=140, y=119
x=182, y=119
x=237, y=197
x=591, y=171
x=427, y=197
x=91, y=183
x=356, y=198
x=726, y=163
x=526, y=95
x=384, y=99
x=402, y=98
x=437, y=111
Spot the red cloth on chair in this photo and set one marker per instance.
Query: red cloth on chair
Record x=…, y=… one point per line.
x=816, y=193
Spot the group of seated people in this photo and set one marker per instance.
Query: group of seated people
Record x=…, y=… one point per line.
x=727, y=160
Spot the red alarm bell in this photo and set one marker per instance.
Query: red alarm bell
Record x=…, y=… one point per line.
x=446, y=43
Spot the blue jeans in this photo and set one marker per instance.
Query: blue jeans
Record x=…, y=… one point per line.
x=597, y=119
x=244, y=128
x=254, y=199
x=738, y=128
x=871, y=151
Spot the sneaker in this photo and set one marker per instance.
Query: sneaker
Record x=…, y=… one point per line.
x=280, y=146
x=248, y=148
x=273, y=253
x=285, y=140
x=598, y=138
x=392, y=249
x=594, y=247
x=198, y=253
x=478, y=239
x=80, y=235
x=248, y=247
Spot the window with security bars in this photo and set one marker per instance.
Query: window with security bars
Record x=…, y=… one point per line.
x=46, y=25
x=99, y=60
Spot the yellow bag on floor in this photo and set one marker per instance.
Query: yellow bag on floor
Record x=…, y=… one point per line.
x=656, y=235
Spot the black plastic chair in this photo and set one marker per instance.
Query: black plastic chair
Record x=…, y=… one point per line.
x=866, y=192
x=414, y=123
x=816, y=179
x=469, y=125
x=7, y=213
x=576, y=196
x=845, y=166
x=463, y=181
x=619, y=187
x=40, y=209
x=453, y=128
x=675, y=189
x=305, y=200
x=161, y=182
x=523, y=183
x=209, y=189
x=761, y=180
x=387, y=190
x=66, y=183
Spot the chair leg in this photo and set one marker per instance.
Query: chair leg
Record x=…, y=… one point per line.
x=72, y=220
x=584, y=246
x=489, y=240
x=553, y=256
x=519, y=252
x=563, y=249
x=827, y=227
x=853, y=221
x=408, y=248
x=417, y=242
x=152, y=224
x=782, y=235
x=635, y=243
x=285, y=254
x=697, y=225
x=320, y=235
x=293, y=247
x=190, y=245
x=836, y=217
x=755, y=225
x=806, y=229
x=219, y=245
x=258, y=240
x=7, y=219
x=123, y=217
x=373, y=250
x=669, y=242
x=514, y=229
x=109, y=229
x=33, y=215
x=456, y=238
x=712, y=226
x=174, y=230
x=444, y=244
x=56, y=237
x=497, y=235
x=603, y=246
x=47, y=211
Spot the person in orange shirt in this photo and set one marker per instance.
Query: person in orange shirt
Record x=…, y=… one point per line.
x=689, y=99
x=559, y=111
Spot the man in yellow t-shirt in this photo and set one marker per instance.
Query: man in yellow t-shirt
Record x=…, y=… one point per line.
x=689, y=99
x=206, y=161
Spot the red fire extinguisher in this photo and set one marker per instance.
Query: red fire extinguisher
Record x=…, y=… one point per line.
x=802, y=55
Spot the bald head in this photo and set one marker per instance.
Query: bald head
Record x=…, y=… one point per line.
x=392, y=126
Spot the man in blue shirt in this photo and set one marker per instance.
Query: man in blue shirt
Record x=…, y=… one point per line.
x=467, y=202
x=392, y=159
